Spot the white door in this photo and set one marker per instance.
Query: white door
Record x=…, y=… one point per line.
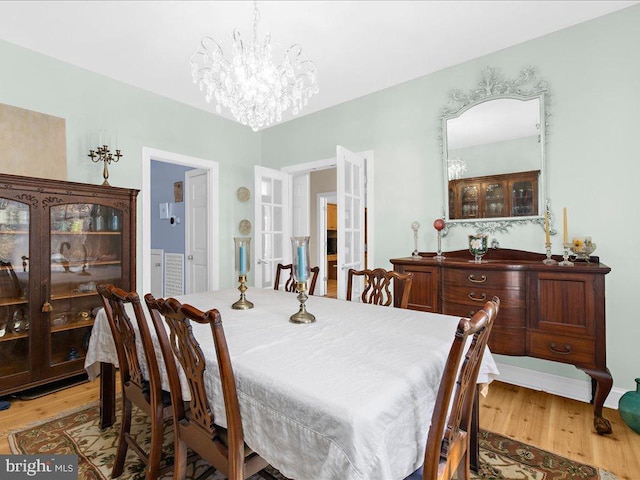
x=351, y=203
x=196, y=230
x=157, y=272
x=300, y=205
x=272, y=244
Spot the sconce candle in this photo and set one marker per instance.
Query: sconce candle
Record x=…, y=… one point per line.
x=302, y=264
x=565, y=238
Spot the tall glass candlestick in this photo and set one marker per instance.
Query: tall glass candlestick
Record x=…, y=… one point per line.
x=300, y=255
x=565, y=256
x=415, y=226
x=439, y=225
x=243, y=263
x=548, y=260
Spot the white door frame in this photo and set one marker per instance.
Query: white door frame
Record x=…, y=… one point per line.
x=332, y=163
x=322, y=200
x=144, y=227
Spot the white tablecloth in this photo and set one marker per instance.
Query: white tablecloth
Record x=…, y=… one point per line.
x=349, y=397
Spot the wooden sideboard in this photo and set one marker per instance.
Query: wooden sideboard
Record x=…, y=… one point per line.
x=550, y=312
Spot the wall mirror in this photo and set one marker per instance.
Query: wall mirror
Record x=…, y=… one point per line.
x=493, y=150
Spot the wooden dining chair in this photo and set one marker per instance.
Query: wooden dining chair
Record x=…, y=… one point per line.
x=447, y=451
x=290, y=284
x=144, y=392
x=194, y=424
x=377, y=286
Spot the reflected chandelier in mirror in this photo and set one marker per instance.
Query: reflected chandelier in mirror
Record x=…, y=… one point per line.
x=493, y=148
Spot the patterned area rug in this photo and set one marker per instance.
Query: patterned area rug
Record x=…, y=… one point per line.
x=78, y=433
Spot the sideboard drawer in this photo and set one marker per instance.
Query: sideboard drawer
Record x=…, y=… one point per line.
x=566, y=349
x=508, y=317
x=479, y=294
x=485, y=278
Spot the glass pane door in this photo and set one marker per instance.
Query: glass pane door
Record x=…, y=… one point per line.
x=522, y=199
x=14, y=288
x=494, y=200
x=86, y=249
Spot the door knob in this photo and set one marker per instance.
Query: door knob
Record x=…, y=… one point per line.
x=189, y=257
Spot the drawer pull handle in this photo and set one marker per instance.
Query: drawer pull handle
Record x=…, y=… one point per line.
x=473, y=297
x=566, y=351
x=471, y=313
x=472, y=278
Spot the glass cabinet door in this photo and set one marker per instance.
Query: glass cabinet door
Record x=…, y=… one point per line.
x=14, y=288
x=85, y=250
x=469, y=201
x=522, y=199
x=494, y=200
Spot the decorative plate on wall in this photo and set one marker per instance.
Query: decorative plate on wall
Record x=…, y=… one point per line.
x=245, y=227
x=243, y=194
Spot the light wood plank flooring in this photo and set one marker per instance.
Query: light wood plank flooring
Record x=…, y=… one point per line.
x=546, y=421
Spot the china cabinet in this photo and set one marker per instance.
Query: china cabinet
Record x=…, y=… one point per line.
x=57, y=241
x=494, y=196
x=550, y=312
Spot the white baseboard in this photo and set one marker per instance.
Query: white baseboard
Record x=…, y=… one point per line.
x=555, y=384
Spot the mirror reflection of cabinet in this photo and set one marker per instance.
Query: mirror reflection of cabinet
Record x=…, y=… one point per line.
x=496, y=196
x=57, y=241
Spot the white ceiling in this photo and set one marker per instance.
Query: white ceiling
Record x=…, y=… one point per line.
x=359, y=47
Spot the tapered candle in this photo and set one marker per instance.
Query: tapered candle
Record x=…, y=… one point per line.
x=547, y=238
x=566, y=231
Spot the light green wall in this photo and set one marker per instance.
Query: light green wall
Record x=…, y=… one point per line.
x=593, y=70
x=91, y=102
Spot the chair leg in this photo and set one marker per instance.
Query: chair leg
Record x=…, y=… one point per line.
x=464, y=468
x=180, y=460
x=155, y=451
x=125, y=428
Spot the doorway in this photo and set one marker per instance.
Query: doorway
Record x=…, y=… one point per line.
x=149, y=211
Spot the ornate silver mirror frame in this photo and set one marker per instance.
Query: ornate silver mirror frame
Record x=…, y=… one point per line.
x=493, y=86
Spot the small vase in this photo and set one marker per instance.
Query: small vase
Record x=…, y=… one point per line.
x=629, y=408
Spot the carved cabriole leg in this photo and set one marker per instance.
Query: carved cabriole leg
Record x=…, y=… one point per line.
x=604, y=382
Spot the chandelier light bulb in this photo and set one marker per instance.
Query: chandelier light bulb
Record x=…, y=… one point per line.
x=254, y=89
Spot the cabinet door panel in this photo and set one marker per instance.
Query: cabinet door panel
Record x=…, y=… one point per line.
x=424, y=288
x=565, y=303
x=15, y=322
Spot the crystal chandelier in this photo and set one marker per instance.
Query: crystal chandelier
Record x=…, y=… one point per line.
x=251, y=86
x=456, y=167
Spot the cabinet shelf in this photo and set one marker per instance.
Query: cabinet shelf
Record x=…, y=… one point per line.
x=14, y=336
x=66, y=295
x=66, y=232
x=14, y=232
x=13, y=301
x=72, y=326
x=88, y=263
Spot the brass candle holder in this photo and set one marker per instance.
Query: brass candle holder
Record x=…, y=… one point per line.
x=243, y=303
x=548, y=260
x=242, y=249
x=302, y=316
x=300, y=255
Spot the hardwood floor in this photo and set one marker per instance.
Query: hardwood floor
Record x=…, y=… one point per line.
x=553, y=423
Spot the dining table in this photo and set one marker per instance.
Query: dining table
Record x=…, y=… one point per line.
x=348, y=397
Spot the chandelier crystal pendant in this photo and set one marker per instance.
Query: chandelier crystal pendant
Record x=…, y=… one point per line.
x=251, y=86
